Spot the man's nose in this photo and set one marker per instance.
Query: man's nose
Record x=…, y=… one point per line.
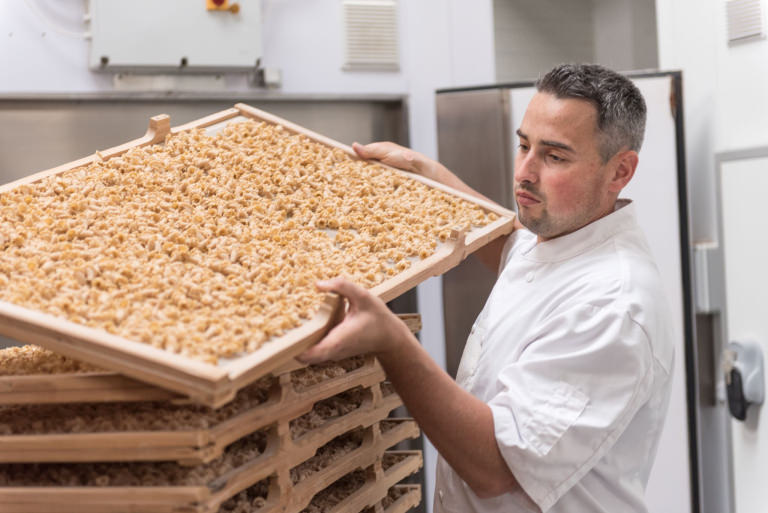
x=526, y=167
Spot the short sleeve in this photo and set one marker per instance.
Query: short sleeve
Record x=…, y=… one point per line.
x=568, y=398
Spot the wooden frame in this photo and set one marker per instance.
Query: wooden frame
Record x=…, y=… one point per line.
x=78, y=388
x=209, y=384
x=275, y=463
x=376, y=488
x=108, y=386
x=192, y=447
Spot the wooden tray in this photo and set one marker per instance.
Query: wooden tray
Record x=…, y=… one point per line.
x=378, y=484
x=108, y=386
x=274, y=464
x=78, y=388
x=210, y=384
x=193, y=447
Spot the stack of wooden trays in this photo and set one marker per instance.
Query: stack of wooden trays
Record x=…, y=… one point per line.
x=247, y=429
x=313, y=439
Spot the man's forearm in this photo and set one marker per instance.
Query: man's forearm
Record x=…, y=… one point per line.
x=459, y=425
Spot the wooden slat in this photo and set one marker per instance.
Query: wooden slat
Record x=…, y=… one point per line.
x=301, y=494
x=370, y=493
x=413, y=321
x=74, y=388
x=192, y=446
x=375, y=490
x=200, y=381
x=110, y=386
x=113, y=498
x=116, y=499
x=213, y=119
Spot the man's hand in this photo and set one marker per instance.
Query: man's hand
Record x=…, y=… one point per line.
x=391, y=154
x=459, y=424
x=408, y=160
x=368, y=327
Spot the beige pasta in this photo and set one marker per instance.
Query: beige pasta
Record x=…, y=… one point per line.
x=31, y=359
x=208, y=246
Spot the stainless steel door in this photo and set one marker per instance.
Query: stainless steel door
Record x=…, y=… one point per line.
x=474, y=138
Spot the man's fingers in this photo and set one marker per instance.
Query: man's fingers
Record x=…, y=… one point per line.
x=388, y=153
x=331, y=347
x=409, y=156
x=377, y=150
x=361, y=151
x=343, y=287
x=314, y=354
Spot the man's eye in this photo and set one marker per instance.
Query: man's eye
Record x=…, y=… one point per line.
x=523, y=147
x=556, y=158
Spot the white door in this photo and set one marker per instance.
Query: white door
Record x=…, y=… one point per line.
x=743, y=183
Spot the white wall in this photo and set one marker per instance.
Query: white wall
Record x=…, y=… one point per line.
x=741, y=89
x=534, y=35
x=692, y=47
x=724, y=90
x=36, y=58
x=625, y=34
x=444, y=43
x=724, y=94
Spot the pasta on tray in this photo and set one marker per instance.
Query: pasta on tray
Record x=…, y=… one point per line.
x=208, y=246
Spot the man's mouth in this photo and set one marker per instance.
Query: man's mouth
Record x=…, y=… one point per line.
x=526, y=200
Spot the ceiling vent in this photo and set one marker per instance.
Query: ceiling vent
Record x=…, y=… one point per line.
x=371, y=30
x=746, y=20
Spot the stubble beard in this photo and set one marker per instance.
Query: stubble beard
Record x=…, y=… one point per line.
x=545, y=226
x=541, y=225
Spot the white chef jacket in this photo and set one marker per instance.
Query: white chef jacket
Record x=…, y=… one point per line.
x=573, y=353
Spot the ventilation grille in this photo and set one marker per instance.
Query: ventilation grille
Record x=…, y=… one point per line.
x=746, y=21
x=371, y=27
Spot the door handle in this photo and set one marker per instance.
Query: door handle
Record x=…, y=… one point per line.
x=744, y=382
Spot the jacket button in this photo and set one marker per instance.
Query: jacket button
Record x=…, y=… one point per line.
x=529, y=277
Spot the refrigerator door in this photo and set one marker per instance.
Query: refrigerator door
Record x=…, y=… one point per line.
x=743, y=182
x=474, y=137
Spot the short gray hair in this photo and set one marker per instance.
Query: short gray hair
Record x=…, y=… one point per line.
x=619, y=103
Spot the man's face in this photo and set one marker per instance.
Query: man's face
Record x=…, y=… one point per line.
x=561, y=182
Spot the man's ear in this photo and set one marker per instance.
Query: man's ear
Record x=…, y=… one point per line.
x=623, y=167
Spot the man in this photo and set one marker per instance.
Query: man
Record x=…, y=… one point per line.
x=564, y=382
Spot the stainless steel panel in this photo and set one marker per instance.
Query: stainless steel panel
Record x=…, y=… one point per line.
x=37, y=134
x=474, y=142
